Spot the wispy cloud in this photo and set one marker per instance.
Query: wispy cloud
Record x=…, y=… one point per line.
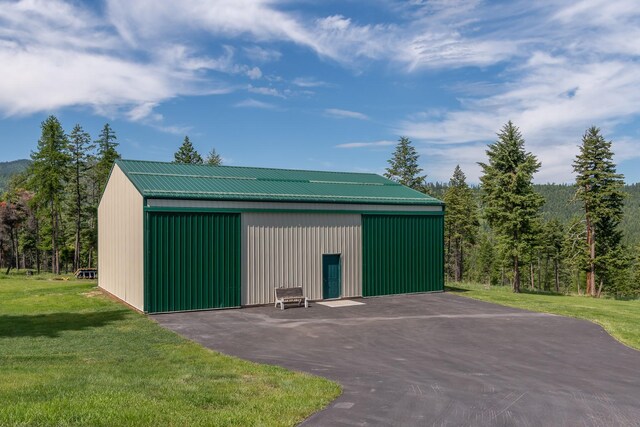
x=254, y=103
x=262, y=55
x=268, y=91
x=345, y=114
x=553, y=90
x=308, y=82
x=382, y=143
x=554, y=68
x=57, y=54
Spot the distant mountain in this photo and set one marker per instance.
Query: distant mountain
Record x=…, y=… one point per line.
x=8, y=169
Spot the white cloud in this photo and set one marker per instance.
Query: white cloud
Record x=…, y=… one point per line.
x=268, y=91
x=262, y=55
x=345, y=114
x=554, y=68
x=307, y=82
x=253, y=103
x=143, y=111
x=382, y=143
x=57, y=53
x=435, y=41
x=254, y=73
x=562, y=83
x=145, y=20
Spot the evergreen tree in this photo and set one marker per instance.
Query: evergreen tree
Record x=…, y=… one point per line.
x=461, y=222
x=12, y=215
x=485, y=263
x=107, y=155
x=599, y=187
x=80, y=147
x=49, y=174
x=511, y=205
x=403, y=166
x=187, y=154
x=574, y=252
x=213, y=158
x=634, y=287
x=552, y=241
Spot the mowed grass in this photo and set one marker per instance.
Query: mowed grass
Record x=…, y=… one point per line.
x=620, y=318
x=71, y=356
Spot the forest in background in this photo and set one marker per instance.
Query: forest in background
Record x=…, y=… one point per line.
x=49, y=203
x=48, y=213
x=558, y=198
x=9, y=169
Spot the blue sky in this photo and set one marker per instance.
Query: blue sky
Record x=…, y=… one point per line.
x=326, y=85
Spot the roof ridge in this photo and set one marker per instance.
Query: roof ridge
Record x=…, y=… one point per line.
x=154, y=178
x=251, y=167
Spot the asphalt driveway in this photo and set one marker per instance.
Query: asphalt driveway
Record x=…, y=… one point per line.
x=437, y=359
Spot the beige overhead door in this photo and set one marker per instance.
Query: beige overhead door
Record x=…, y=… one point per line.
x=286, y=249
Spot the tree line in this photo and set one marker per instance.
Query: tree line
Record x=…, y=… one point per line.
x=49, y=213
x=497, y=234
x=494, y=234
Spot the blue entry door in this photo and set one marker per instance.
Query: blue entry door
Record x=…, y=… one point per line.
x=331, y=276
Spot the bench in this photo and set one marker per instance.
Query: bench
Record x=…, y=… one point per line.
x=284, y=295
x=86, y=273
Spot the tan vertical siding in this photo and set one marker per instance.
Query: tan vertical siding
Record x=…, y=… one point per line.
x=120, y=240
x=285, y=249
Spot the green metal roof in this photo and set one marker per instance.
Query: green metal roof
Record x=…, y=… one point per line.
x=179, y=181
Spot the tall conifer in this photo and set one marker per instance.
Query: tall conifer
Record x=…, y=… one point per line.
x=80, y=147
x=49, y=173
x=187, y=154
x=461, y=222
x=213, y=158
x=107, y=155
x=511, y=205
x=600, y=190
x=403, y=166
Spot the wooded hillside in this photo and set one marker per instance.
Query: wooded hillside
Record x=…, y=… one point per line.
x=9, y=169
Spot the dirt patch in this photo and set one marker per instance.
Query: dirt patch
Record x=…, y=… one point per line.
x=94, y=293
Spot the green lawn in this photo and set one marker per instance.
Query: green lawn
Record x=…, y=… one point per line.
x=71, y=356
x=620, y=318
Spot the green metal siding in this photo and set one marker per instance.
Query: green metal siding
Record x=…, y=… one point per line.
x=402, y=254
x=192, y=261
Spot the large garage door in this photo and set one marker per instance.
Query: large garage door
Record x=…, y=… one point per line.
x=402, y=254
x=192, y=261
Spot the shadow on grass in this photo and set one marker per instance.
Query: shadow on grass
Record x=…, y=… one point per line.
x=539, y=292
x=523, y=290
x=448, y=288
x=50, y=325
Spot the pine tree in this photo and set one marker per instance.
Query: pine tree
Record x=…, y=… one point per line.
x=49, y=174
x=600, y=190
x=574, y=250
x=403, y=166
x=487, y=265
x=187, y=154
x=552, y=239
x=213, y=158
x=80, y=148
x=107, y=155
x=511, y=205
x=634, y=288
x=461, y=222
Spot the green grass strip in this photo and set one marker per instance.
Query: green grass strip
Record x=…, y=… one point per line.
x=619, y=318
x=71, y=356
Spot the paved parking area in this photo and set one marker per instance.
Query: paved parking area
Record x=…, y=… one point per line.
x=437, y=359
